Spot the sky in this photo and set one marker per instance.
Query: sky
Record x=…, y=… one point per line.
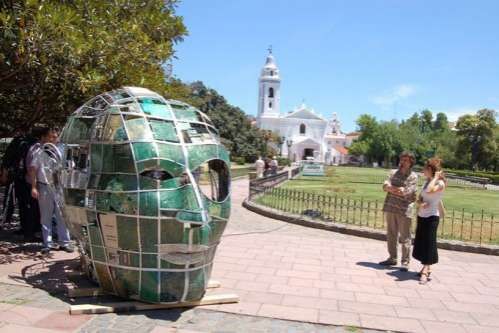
x=387, y=58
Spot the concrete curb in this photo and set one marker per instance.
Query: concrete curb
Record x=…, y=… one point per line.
x=361, y=231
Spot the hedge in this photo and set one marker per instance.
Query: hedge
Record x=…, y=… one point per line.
x=239, y=160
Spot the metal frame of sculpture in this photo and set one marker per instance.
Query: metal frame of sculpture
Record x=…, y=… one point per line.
x=146, y=194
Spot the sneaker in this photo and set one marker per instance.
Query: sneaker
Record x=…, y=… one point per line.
x=404, y=267
x=388, y=262
x=45, y=251
x=68, y=248
x=54, y=247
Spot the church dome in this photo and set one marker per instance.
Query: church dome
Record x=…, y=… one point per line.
x=270, y=71
x=270, y=62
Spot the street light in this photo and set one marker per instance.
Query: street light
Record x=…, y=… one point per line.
x=289, y=143
x=282, y=142
x=267, y=134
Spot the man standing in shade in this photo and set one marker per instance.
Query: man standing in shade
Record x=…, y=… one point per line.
x=43, y=188
x=401, y=187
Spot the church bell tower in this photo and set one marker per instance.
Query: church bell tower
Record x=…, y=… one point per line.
x=269, y=90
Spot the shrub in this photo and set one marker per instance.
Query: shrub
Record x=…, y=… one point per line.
x=238, y=160
x=283, y=161
x=492, y=176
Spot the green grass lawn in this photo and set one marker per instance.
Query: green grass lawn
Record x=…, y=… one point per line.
x=366, y=183
x=354, y=196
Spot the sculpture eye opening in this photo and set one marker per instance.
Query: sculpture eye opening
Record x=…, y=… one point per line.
x=157, y=174
x=213, y=178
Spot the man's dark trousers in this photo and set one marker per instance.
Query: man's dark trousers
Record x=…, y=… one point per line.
x=29, y=213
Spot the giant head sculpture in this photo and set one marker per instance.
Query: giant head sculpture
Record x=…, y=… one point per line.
x=146, y=194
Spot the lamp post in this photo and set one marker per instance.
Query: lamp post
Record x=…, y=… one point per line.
x=282, y=142
x=266, y=137
x=289, y=143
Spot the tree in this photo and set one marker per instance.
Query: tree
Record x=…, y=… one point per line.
x=359, y=148
x=474, y=145
x=367, y=125
x=426, y=121
x=446, y=144
x=54, y=55
x=413, y=121
x=441, y=122
x=477, y=137
x=386, y=144
x=378, y=142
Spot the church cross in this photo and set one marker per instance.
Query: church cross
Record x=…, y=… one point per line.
x=270, y=49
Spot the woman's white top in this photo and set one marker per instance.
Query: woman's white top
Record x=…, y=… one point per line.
x=432, y=199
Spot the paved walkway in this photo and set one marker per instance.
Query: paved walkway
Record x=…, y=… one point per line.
x=280, y=271
x=294, y=272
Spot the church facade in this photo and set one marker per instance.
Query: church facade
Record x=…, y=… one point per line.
x=305, y=133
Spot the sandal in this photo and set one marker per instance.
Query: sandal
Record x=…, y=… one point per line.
x=424, y=278
x=418, y=274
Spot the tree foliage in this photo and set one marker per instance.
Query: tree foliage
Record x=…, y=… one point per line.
x=478, y=139
x=472, y=145
x=56, y=54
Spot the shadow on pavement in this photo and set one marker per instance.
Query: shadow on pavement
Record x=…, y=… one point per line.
x=14, y=249
x=392, y=271
x=51, y=276
x=374, y=265
x=403, y=276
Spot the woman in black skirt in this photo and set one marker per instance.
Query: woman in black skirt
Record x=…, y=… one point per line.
x=429, y=213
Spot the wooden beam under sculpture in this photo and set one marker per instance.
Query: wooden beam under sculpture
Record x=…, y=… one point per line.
x=146, y=194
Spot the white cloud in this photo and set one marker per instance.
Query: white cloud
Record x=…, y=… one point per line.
x=394, y=95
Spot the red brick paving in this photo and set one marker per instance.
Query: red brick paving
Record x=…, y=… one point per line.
x=317, y=276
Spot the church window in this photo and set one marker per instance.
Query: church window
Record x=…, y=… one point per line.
x=270, y=105
x=302, y=129
x=271, y=73
x=271, y=92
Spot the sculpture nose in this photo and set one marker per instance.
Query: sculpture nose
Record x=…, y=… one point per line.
x=196, y=212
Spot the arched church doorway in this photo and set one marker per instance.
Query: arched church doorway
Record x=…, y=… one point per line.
x=308, y=152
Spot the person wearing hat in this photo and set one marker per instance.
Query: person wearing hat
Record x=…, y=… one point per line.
x=401, y=186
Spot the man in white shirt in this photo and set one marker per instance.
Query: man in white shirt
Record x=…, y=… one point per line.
x=274, y=165
x=260, y=167
x=43, y=188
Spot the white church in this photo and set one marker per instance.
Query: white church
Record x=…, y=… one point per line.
x=305, y=133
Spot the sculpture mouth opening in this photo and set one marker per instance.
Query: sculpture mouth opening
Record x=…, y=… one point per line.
x=182, y=254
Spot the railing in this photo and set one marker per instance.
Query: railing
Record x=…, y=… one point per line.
x=259, y=185
x=469, y=180
x=457, y=224
x=295, y=172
